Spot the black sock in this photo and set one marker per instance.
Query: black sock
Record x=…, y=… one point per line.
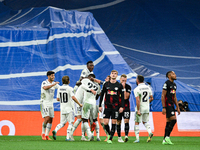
x=166, y=129
x=126, y=128
x=112, y=131
x=171, y=126
x=119, y=130
x=107, y=128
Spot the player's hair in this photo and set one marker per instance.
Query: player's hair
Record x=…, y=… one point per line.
x=167, y=74
x=140, y=78
x=92, y=75
x=114, y=71
x=123, y=75
x=108, y=76
x=65, y=79
x=89, y=62
x=50, y=73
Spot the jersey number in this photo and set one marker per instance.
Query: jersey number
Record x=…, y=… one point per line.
x=144, y=96
x=63, y=97
x=92, y=86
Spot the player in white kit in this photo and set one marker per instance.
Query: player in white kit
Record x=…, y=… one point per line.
x=142, y=93
x=46, y=103
x=78, y=110
x=91, y=90
x=65, y=95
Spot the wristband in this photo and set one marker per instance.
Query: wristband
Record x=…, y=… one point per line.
x=164, y=107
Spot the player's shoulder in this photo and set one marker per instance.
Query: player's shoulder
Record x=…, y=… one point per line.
x=118, y=83
x=167, y=82
x=84, y=72
x=128, y=86
x=45, y=82
x=85, y=80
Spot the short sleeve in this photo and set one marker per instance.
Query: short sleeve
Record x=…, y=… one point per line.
x=150, y=91
x=57, y=86
x=71, y=91
x=83, y=73
x=136, y=92
x=44, y=84
x=165, y=86
x=128, y=89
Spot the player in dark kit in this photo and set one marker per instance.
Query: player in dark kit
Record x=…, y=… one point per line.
x=168, y=101
x=113, y=90
x=126, y=113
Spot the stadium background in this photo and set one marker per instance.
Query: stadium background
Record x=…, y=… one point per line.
x=149, y=38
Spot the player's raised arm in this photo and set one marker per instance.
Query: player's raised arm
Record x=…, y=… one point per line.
x=49, y=86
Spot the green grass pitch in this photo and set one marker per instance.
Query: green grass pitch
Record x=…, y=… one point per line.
x=36, y=143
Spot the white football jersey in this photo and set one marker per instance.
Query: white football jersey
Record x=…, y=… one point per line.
x=89, y=97
x=144, y=92
x=65, y=93
x=85, y=73
x=48, y=95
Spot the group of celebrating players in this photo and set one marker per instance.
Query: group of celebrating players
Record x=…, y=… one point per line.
x=113, y=104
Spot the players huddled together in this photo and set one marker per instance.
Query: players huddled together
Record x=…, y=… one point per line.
x=113, y=105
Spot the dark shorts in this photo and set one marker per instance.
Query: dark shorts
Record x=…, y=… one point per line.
x=125, y=114
x=170, y=111
x=109, y=112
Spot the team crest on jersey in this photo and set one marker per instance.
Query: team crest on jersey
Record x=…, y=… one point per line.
x=173, y=91
x=116, y=88
x=83, y=73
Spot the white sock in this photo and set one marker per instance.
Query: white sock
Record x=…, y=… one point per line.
x=43, y=127
x=97, y=128
x=83, y=130
x=87, y=129
x=147, y=125
x=78, y=121
x=136, y=129
x=69, y=130
x=48, y=128
x=59, y=126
